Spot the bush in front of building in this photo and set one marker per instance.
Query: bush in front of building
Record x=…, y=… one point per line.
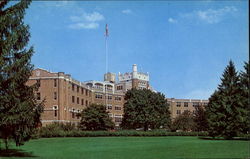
x=95, y=117
x=58, y=130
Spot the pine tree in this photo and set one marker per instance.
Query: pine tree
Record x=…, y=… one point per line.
x=19, y=112
x=225, y=110
x=245, y=85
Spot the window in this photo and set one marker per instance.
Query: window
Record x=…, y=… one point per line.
x=86, y=92
x=82, y=102
x=98, y=96
x=55, y=83
x=110, y=115
x=55, y=108
x=109, y=107
x=178, y=104
x=178, y=112
x=38, y=83
x=78, y=114
x=118, y=119
x=73, y=113
x=185, y=104
x=82, y=90
x=73, y=87
x=195, y=104
x=205, y=104
x=55, y=113
x=109, y=97
x=119, y=87
x=73, y=99
x=118, y=108
x=86, y=103
x=77, y=100
x=118, y=98
x=55, y=95
x=77, y=89
x=38, y=96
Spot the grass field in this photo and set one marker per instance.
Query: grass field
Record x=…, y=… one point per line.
x=135, y=148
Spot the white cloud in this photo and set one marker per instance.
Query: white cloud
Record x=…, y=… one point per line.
x=59, y=4
x=171, y=20
x=127, y=11
x=210, y=16
x=84, y=26
x=95, y=16
x=92, y=17
x=86, y=20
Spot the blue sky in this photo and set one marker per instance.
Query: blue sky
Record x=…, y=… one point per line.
x=184, y=46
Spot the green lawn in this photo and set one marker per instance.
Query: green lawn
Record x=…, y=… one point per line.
x=136, y=148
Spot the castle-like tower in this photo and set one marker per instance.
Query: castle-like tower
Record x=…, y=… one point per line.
x=133, y=79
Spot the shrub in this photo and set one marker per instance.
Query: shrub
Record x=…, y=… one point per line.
x=55, y=130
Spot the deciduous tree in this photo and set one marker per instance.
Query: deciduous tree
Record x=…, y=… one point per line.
x=145, y=109
x=95, y=117
x=200, y=118
x=184, y=122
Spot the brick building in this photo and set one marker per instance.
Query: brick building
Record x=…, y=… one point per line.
x=178, y=106
x=65, y=97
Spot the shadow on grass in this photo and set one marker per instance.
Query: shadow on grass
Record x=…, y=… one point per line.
x=221, y=138
x=15, y=153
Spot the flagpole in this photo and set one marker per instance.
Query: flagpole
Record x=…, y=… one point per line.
x=106, y=60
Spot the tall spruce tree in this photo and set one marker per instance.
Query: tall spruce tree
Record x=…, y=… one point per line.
x=245, y=85
x=225, y=109
x=19, y=111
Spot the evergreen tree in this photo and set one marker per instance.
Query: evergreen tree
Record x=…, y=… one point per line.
x=145, y=109
x=19, y=112
x=225, y=110
x=95, y=117
x=245, y=85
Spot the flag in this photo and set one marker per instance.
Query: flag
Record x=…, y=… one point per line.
x=106, y=31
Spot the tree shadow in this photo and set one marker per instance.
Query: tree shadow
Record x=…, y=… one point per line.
x=221, y=138
x=15, y=153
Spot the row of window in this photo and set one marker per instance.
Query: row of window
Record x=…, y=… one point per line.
x=78, y=89
x=195, y=104
x=77, y=100
x=142, y=82
x=109, y=97
x=119, y=87
x=74, y=114
x=109, y=107
x=179, y=111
